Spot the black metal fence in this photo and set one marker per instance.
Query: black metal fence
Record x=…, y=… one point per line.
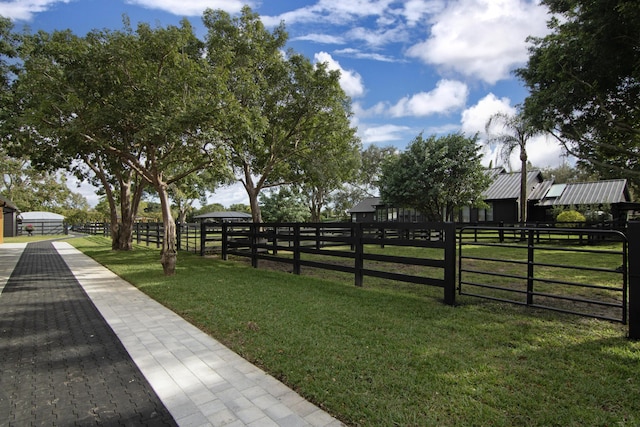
x=576, y=271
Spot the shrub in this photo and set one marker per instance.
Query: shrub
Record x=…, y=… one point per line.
x=570, y=216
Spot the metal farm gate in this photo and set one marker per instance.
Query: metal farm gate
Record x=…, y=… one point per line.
x=568, y=270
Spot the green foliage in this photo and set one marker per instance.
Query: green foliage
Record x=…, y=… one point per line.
x=286, y=116
x=584, y=86
x=285, y=205
x=570, y=216
x=240, y=207
x=34, y=190
x=434, y=176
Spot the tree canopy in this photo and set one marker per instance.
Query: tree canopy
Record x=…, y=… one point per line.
x=434, y=176
x=284, y=110
x=584, y=82
x=137, y=105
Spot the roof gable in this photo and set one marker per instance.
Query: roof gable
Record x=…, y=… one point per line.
x=366, y=205
x=507, y=185
x=593, y=193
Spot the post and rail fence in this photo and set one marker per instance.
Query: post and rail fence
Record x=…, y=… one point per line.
x=442, y=255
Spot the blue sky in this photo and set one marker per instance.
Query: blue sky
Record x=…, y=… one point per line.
x=431, y=66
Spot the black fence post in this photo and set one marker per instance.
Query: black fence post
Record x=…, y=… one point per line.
x=359, y=255
x=633, y=237
x=450, y=263
x=253, y=241
x=530, y=265
x=274, y=248
x=203, y=237
x=296, y=249
x=225, y=241
x=179, y=236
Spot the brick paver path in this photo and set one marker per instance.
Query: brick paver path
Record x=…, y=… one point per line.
x=60, y=363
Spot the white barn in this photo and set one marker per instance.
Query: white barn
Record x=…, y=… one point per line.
x=42, y=223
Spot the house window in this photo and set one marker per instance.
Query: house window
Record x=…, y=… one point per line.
x=489, y=214
x=466, y=214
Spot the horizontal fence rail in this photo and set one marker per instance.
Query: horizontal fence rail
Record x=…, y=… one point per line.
x=537, y=270
x=41, y=228
x=573, y=271
x=352, y=248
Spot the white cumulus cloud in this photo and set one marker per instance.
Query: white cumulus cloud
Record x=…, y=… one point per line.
x=484, y=39
x=474, y=118
x=350, y=81
x=191, y=7
x=448, y=96
x=25, y=9
x=382, y=133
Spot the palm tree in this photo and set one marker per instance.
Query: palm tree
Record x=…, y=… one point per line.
x=516, y=131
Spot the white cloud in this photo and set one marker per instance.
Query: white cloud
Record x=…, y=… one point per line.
x=321, y=38
x=415, y=10
x=542, y=150
x=484, y=39
x=350, y=81
x=378, y=37
x=229, y=195
x=25, y=9
x=191, y=7
x=449, y=95
x=475, y=118
x=383, y=133
x=340, y=12
x=356, y=53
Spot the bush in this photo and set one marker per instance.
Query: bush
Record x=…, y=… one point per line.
x=570, y=216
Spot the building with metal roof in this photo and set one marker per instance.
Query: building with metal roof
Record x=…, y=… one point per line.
x=224, y=216
x=502, y=199
x=365, y=210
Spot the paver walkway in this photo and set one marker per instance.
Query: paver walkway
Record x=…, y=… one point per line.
x=80, y=346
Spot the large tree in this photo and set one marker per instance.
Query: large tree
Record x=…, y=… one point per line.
x=435, y=176
x=282, y=104
x=511, y=133
x=584, y=82
x=36, y=190
x=142, y=101
x=365, y=181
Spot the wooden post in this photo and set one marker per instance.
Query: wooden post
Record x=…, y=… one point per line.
x=359, y=259
x=450, y=263
x=633, y=237
x=296, y=249
x=203, y=238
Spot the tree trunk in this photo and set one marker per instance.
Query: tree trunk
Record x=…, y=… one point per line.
x=252, y=192
x=523, y=187
x=168, y=254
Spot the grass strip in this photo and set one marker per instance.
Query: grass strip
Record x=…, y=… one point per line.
x=374, y=356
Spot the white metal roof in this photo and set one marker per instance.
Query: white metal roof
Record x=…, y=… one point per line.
x=41, y=216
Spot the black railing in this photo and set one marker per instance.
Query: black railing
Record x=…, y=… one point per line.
x=350, y=248
x=515, y=266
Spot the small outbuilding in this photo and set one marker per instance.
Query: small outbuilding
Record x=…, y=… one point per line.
x=9, y=218
x=224, y=216
x=41, y=223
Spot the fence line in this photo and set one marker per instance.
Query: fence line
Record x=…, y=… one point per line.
x=522, y=269
x=318, y=246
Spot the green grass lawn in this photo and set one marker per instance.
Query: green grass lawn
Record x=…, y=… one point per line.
x=387, y=355
x=34, y=238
